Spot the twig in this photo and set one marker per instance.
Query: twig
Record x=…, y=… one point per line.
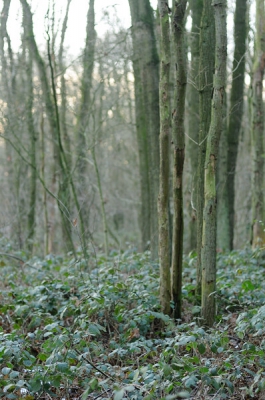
x=94, y=366
x=18, y=259
x=106, y=391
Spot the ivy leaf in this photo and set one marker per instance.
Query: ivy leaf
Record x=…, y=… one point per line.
x=56, y=381
x=62, y=366
x=93, y=384
x=248, y=285
x=5, y=371
x=201, y=348
x=35, y=385
x=42, y=356
x=118, y=394
x=93, y=330
x=20, y=383
x=14, y=374
x=27, y=363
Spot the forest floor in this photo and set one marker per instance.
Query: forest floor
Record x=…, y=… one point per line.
x=93, y=330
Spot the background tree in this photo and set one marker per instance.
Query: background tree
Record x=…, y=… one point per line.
x=11, y=122
x=82, y=127
x=193, y=118
x=63, y=89
x=178, y=113
x=164, y=194
x=32, y=150
x=236, y=106
x=146, y=80
x=223, y=232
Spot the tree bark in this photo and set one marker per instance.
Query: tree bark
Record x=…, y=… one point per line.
x=178, y=29
x=257, y=137
x=210, y=200
x=236, y=106
x=207, y=45
x=163, y=198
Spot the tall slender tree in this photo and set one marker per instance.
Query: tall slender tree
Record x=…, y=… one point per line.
x=223, y=231
x=178, y=134
x=163, y=201
x=236, y=105
x=9, y=91
x=63, y=90
x=97, y=134
x=257, y=131
x=226, y=180
x=206, y=67
x=209, y=215
x=33, y=151
x=146, y=81
x=196, y=7
x=84, y=114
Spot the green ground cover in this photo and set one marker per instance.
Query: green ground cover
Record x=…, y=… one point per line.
x=93, y=330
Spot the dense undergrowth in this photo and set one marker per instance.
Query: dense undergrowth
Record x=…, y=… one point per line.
x=93, y=330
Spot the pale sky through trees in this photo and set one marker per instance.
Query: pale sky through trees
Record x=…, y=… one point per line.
x=110, y=15
x=115, y=13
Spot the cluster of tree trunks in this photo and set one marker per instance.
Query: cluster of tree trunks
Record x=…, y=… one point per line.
x=212, y=148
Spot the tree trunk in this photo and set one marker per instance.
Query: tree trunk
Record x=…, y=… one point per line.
x=63, y=108
x=48, y=235
x=146, y=79
x=209, y=216
x=196, y=7
x=223, y=231
x=257, y=137
x=8, y=79
x=84, y=115
x=97, y=135
x=178, y=29
x=236, y=106
x=207, y=45
x=32, y=153
x=163, y=198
